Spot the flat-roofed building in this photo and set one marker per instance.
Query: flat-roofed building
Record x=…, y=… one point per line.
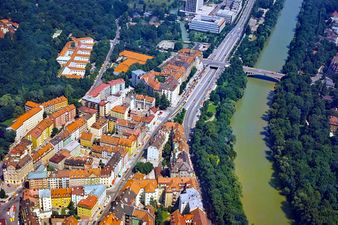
x=212, y=24
x=193, y=5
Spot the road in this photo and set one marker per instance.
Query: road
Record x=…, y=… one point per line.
x=208, y=81
x=4, y=207
x=106, y=64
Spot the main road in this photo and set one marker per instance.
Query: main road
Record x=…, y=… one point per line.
x=208, y=81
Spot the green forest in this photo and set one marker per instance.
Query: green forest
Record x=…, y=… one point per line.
x=212, y=149
x=305, y=159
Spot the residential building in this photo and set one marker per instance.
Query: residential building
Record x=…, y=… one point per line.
x=211, y=24
x=38, y=179
x=55, y=104
x=110, y=219
x=196, y=217
x=130, y=143
x=87, y=207
x=190, y=199
x=43, y=154
x=75, y=56
x=120, y=111
x=71, y=220
x=26, y=122
x=78, y=162
x=105, y=96
x=58, y=160
x=63, y=116
x=193, y=5
x=18, y=163
x=61, y=197
x=41, y=132
x=87, y=139
x=143, y=102
x=27, y=215
x=100, y=127
x=76, y=128
x=45, y=200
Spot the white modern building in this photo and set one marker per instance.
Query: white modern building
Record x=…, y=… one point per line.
x=212, y=24
x=193, y=5
x=227, y=14
x=45, y=200
x=190, y=200
x=153, y=155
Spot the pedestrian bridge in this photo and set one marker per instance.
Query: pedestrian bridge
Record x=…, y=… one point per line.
x=250, y=71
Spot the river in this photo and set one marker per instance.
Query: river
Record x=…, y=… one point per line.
x=261, y=202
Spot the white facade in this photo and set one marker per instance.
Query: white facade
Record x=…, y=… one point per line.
x=190, y=200
x=153, y=155
x=45, y=200
x=212, y=24
x=193, y=5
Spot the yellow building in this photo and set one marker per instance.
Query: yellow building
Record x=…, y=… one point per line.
x=41, y=132
x=61, y=197
x=55, y=104
x=87, y=139
x=87, y=207
x=120, y=111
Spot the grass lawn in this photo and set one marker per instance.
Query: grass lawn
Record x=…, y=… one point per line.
x=211, y=108
x=8, y=122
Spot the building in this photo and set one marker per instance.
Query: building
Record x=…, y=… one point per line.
x=211, y=24
x=78, y=162
x=71, y=220
x=333, y=68
x=16, y=169
x=45, y=200
x=154, y=151
x=100, y=127
x=7, y=26
x=120, y=111
x=105, y=96
x=63, y=116
x=190, y=199
x=61, y=197
x=87, y=207
x=38, y=179
x=196, y=217
x=58, y=160
x=130, y=58
x=143, y=102
x=227, y=14
x=75, y=56
x=193, y=5
x=41, y=132
x=130, y=143
x=43, y=154
x=26, y=122
x=76, y=128
x=136, y=77
x=87, y=139
x=110, y=219
x=55, y=104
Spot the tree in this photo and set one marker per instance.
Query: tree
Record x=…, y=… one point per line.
x=72, y=210
x=144, y=168
x=178, y=46
x=54, y=131
x=164, y=102
x=3, y=193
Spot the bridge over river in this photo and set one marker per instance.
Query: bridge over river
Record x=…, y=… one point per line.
x=250, y=71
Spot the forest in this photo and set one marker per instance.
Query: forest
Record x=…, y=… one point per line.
x=212, y=149
x=28, y=60
x=304, y=156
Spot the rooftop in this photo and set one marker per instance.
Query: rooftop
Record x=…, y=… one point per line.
x=88, y=202
x=24, y=117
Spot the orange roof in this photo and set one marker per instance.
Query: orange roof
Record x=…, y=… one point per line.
x=32, y=104
x=177, y=183
x=149, y=79
x=135, y=55
x=100, y=149
x=100, y=123
x=110, y=219
x=55, y=101
x=145, y=97
x=135, y=185
x=76, y=125
x=176, y=218
x=62, y=111
x=111, y=140
x=41, y=127
x=145, y=216
x=26, y=116
x=86, y=136
x=333, y=120
x=120, y=109
x=199, y=217
x=72, y=76
x=70, y=221
x=61, y=192
x=42, y=151
x=88, y=202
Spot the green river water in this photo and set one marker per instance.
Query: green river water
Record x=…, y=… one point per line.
x=261, y=202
